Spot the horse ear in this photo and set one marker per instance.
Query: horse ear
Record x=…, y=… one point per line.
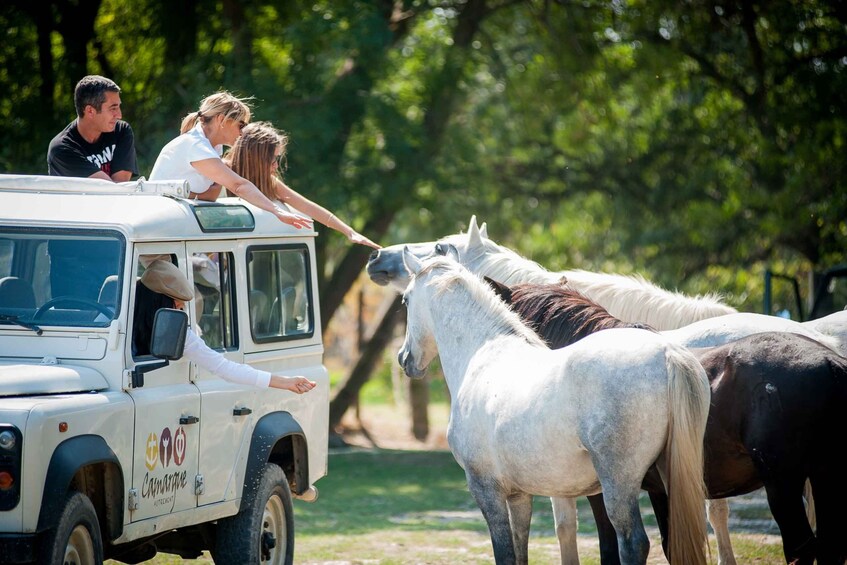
x=483, y=230
x=500, y=289
x=474, y=237
x=412, y=263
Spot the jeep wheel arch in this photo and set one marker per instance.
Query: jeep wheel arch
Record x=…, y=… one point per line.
x=277, y=438
x=71, y=457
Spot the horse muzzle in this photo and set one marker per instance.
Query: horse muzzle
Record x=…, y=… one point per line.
x=408, y=363
x=377, y=273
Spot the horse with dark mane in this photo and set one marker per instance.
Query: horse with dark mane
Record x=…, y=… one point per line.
x=776, y=419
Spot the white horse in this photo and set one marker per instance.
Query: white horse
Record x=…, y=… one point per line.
x=526, y=420
x=631, y=299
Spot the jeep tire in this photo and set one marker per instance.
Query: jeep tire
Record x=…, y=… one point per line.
x=264, y=531
x=75, y=539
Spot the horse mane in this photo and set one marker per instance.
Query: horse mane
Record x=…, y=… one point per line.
x=504, y=265
x=561, y=315
x=634, y=299
x=630, y=298
x=454, y=277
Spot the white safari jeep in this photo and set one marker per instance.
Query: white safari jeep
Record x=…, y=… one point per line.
x=106, y=453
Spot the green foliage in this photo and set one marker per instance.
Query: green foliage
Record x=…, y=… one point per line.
x=694, y=143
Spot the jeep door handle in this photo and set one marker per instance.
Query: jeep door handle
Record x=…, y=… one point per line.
x=241, y=411
x=185, y=420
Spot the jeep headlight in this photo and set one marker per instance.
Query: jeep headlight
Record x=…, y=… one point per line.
x=7, y=440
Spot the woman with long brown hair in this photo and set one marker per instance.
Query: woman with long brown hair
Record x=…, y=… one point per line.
x=256, y=155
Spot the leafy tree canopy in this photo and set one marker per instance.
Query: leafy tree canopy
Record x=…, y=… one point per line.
x=696, y=143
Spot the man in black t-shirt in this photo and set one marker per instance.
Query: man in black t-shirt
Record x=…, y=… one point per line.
x=98, y=144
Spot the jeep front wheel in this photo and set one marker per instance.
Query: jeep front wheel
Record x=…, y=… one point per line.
x=264, y=531
x=76, y=538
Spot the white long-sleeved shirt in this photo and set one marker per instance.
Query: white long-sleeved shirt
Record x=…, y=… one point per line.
x=204, y=356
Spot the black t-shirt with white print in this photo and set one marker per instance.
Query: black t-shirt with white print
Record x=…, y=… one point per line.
x=70, y=155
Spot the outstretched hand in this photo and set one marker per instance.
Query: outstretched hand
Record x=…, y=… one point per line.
x=297, y=385
x=293, y=219
x=356, y=237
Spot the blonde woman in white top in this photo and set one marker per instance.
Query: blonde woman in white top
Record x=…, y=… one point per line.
x=195, y=156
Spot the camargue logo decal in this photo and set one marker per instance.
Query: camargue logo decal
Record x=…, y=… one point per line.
x=165, y=452
x=152, y=455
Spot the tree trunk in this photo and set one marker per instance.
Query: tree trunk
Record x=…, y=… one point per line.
x=76, y=26
x=348, y=391
x=241, y=59
x=44, y=26
x=441, y=103
x=350, y=267
x=178, y=19
x=419, y=404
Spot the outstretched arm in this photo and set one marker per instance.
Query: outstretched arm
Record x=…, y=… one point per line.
x=217, y=171
x=290, y=196
x=198, y=352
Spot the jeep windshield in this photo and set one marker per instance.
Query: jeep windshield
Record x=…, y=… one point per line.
x=51, y=277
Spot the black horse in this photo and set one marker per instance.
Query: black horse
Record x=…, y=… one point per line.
x=777, y=418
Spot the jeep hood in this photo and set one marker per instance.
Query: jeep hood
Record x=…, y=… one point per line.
x=32, y=379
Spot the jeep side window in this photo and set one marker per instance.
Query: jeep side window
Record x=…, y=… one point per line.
x=146, y=304
x=6, y=248
x=279, y=292
x=214, y=299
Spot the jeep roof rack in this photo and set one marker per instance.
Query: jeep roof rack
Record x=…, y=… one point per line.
x=49, y=184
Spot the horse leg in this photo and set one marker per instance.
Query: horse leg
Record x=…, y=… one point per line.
x=565, y=518
x=520, y=515
x=492, y=502
x=831, y=499
x=717, y=511
x=661, y=509
x=622, y=506
x=785, y=498
x=605, y=531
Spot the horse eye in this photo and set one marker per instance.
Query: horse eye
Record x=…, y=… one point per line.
x=440, y=249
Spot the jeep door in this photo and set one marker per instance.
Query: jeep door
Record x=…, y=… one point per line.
x=226, y=408
x=167, y=408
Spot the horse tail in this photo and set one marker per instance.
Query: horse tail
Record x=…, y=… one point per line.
x=810, y=505
x=838, y=369
x=688, y=398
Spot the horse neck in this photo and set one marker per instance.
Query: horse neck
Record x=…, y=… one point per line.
x=635, y=300
x=463, y=325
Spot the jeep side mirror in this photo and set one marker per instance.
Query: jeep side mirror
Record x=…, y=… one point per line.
x=168, y=340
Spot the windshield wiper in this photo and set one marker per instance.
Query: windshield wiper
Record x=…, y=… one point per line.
x=16, y=321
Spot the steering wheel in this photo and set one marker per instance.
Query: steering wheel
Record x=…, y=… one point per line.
x=73, y=301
